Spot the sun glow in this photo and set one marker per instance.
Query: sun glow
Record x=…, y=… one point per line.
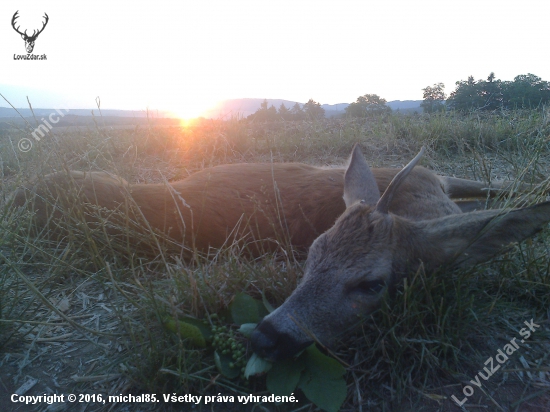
x=183, y=115
x=186, y=110
x=185, y=123
x=185, y=57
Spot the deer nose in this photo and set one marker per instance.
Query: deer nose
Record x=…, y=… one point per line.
x=273, y=345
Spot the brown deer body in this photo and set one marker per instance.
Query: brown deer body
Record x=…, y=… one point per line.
x=260, y=205
x=371, y=248
x=249, y=202
x=360, y=245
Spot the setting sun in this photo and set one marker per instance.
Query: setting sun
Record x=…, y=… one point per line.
x=186, y=57
x=186, y=113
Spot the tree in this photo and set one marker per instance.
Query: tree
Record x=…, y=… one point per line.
x=465, y=96
x=526, y=91
x=263, y=106
x=434, y=98
x=313, y=110
x=491, y=93
x=264, y=113
x=368, y=105
x=477, y=95
x=297, y=113
x=272, y=113
x=283, y=112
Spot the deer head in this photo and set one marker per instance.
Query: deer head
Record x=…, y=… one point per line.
x=29, y=40
x=369, y=250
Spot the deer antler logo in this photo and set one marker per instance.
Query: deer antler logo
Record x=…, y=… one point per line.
x=29, y=40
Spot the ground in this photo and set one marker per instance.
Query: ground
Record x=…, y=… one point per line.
x=78, y=317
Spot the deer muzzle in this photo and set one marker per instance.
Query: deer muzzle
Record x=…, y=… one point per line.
x=274, y=345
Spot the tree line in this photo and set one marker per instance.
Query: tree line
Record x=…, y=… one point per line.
x=365, y=106
x=526, y=91
x=310, y=111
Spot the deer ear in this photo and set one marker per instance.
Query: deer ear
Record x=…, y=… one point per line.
x=359, y=182
x=466, y=239
x=383, y=204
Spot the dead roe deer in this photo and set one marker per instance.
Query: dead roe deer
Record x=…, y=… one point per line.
x=376, y=242
x=258, y=205
x=361, y=244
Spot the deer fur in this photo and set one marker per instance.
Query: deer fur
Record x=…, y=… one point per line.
x=371, y=248
x=257, y=205
x=387, y=224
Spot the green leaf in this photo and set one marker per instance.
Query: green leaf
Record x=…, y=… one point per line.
x=222, y=363
x=246, y=329
x=320, y=364
x=284, y=376
x=328, y=394
x=185, y=331
x=244, y=309
x=256, y=365
x=206, y=330
x=322, y=381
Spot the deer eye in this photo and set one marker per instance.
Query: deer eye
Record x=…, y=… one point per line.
x=371, y=287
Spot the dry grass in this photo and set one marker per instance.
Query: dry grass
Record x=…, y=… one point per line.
x=84, y=314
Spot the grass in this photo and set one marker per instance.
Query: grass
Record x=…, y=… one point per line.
x=107, y=301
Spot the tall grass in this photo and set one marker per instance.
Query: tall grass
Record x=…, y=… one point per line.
x=411, y=354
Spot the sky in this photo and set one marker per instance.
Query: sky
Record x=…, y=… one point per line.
x=185, y=56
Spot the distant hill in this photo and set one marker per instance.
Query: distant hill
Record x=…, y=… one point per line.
x=223, y=110
x=406, y=106
x=9, y=112
x=245, y=107
x=69, y=122
x=10, y=119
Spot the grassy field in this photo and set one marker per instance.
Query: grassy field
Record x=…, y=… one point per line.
x=85, y=315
